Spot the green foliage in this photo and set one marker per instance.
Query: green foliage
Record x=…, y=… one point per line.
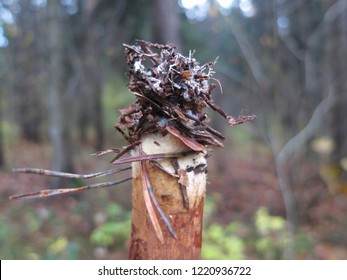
x=221, y=242
x=26, y=240
x=265, y=238
x=271, y=234
x=265, y=223
x=62, y=248
x=116, y=229
x=47, y=236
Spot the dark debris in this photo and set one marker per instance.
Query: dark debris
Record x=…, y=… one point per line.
x=172, y=93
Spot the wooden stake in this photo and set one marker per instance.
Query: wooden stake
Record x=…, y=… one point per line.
x=180, y=192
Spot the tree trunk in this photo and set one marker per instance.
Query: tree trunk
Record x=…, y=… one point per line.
x=335, y=81
x=183, y=206
x=58, y=122
x=94, y=76
x=25, y=54
x=166, y=22
x=98, y=118
x=339, y=112
x=2, y=157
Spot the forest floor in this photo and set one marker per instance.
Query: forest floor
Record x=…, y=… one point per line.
x=61, y=227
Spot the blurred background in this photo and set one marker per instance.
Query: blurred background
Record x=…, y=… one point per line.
x=278, y=188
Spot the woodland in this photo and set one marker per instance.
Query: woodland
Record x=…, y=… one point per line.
x=276, y=190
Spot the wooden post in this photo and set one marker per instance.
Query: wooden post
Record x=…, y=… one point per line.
x=168, y=119
x=185, y=217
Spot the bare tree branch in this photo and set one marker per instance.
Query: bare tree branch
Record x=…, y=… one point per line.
x=330, y=15
x=299, y=139
x=248, y=53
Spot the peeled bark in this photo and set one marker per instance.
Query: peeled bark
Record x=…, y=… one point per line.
x=181, y=199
